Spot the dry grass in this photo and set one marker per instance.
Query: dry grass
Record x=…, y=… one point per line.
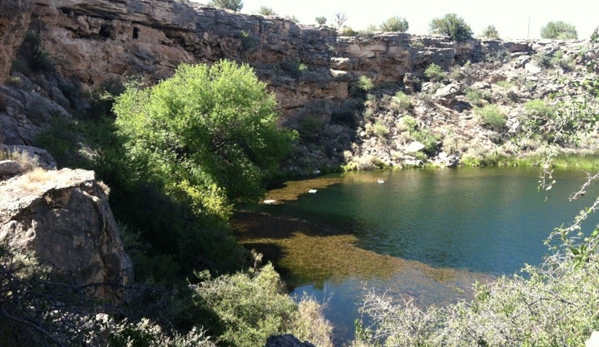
x=34, y=177
x=27, y=161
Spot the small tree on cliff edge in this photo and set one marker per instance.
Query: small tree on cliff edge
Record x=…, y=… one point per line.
x=395, y=24
x=559, y=31
x=235, y=5
x=451, y=25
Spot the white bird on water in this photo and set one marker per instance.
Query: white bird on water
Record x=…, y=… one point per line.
x=270, y=201
x=380, y=181
x=312, y=191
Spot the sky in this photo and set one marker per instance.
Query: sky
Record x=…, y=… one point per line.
x=510, y=17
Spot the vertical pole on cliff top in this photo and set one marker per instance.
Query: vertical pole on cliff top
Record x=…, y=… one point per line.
x=528, y=31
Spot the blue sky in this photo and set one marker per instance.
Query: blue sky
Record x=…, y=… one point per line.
x=510, y=17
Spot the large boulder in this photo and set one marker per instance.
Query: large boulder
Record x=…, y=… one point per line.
x=64, y=220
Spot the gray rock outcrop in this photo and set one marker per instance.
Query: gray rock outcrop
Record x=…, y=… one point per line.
x=64, y=219
x=287, y=340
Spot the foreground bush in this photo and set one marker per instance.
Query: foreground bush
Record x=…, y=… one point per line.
x=252, y=306
x=39, y=307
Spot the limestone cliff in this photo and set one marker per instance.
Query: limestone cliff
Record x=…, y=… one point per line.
x=99, y=40
x=312, y=71
x=63, y=217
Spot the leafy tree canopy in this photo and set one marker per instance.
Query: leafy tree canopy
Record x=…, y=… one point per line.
x=235, y=5
x=207, y=135
x=491, y=32
x=559, y=31
x=321, y=20
x=397, y=24
x=451, y=25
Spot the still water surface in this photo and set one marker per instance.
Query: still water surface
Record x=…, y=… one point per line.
x=422, y=235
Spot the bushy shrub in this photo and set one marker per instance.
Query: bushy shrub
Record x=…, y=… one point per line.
x=234, y=5
x=251, y=306
x=491, y=117
x=321, y=20
x=451, y=25
x=310, y=325
x=435, y=73
x=559, y=30
x=395, y=24
x=538, y=111
x=401, y=101
x=347, y=31
x=595, y=36
x=365, y=83
x=31, y=57
x=559, y=59
x=491, y=32
x=266, y=11
x=479, y=97
x=380, y=129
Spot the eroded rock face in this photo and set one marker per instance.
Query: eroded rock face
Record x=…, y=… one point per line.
x=15, y=16
x=63, y=217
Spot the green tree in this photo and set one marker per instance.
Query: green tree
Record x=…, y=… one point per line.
x=491, y=32
x=235, y=5
x=396, y=24
x=451, y=25
x=321, y=20
x=208, y=134
x=559, y=31
x=266, y=11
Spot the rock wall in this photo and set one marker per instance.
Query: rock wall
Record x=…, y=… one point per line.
x=15, y=16
x=63, y=217
x=94, y=41
x=99, y=40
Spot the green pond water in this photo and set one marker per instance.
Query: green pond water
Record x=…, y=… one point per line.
x=424, y=235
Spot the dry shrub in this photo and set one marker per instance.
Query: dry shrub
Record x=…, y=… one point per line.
x=310, y=325
x=27, y=161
